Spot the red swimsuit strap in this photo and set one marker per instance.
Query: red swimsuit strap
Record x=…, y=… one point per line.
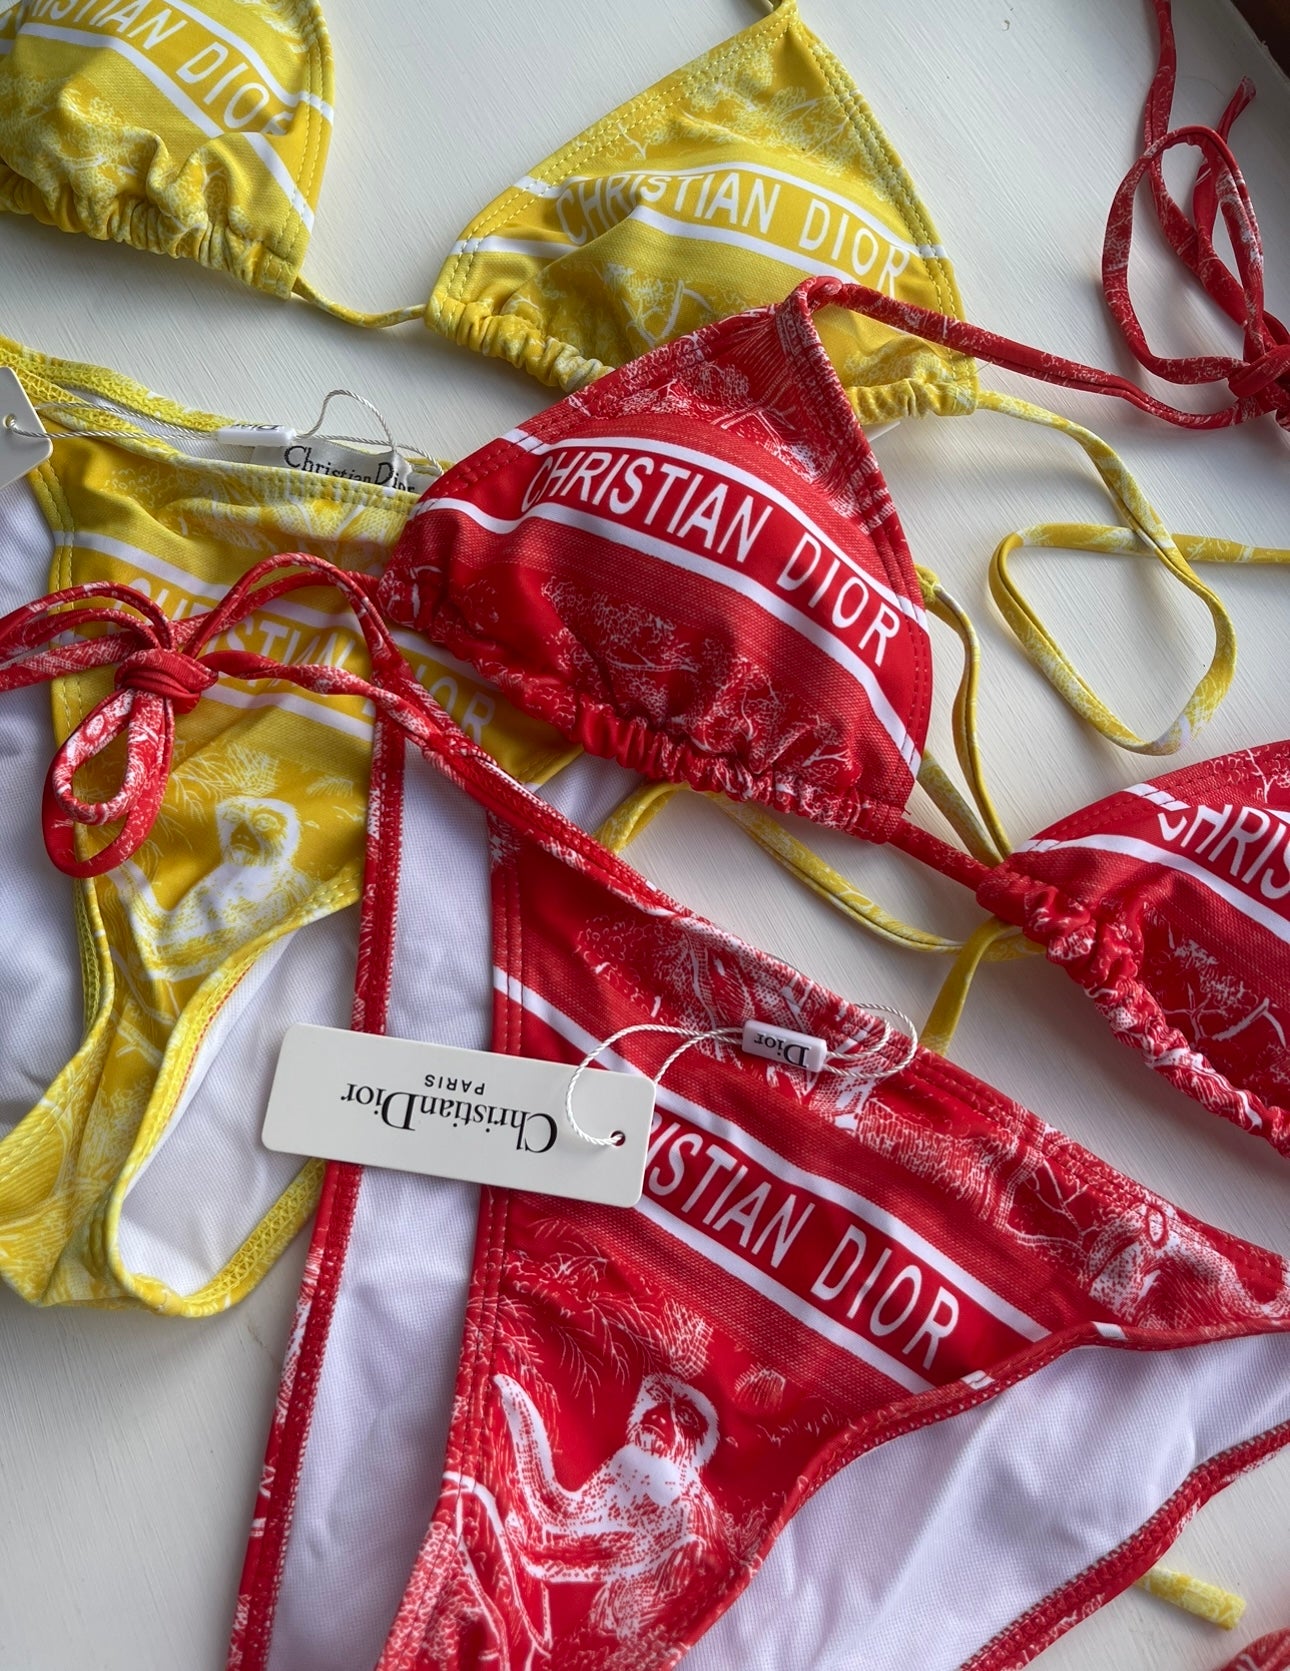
x=1219, y=185
x=1262, y=385
x=1258, y=378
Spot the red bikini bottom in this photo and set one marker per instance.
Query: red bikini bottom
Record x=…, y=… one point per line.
x=945, y=1378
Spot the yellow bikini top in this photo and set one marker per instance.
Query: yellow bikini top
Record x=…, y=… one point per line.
x=202, y=131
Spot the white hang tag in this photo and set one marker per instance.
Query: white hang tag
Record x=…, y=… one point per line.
x=469, y=1114
x=778, y=1044
x=19, y=453
x=317, y=456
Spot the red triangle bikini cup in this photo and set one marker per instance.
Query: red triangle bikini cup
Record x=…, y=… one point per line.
x=694, y=568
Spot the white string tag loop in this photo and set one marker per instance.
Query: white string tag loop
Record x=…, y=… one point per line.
x=816, y=1058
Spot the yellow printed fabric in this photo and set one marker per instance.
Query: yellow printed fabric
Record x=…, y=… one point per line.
x=716, y=190
x=1042, y=648
x=196, y=131
x=202, y=131
x=260, y=839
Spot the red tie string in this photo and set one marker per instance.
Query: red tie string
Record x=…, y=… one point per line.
x=170, y=673
x=162, y=668
x=165, y=664
x=1260, y=379
x=1190, y=239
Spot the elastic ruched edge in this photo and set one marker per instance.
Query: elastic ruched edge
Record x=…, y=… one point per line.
x=1105, y=958
x=142, y=224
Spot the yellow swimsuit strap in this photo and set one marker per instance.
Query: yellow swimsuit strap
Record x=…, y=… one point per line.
x=993, y=941
x=1145, y=535
x=630, y=817
x=355, y=316
x=981, y=831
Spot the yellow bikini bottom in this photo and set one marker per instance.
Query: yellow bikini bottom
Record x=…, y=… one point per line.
x=137, y=1176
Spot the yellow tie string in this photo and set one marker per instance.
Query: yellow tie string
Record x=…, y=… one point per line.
x=1153, y=539
x=355, y=316
x=1207, y=1601
x=993, y=942
x=631, y=815
x=991, y=844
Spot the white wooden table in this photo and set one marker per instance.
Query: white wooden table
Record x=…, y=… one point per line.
x=131, y=1445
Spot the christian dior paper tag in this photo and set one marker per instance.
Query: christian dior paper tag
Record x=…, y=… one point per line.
x=19, y=452
x=469, y=1114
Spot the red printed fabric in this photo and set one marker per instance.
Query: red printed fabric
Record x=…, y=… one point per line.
x=1169, y=902
x=645, y=1397
x=1269, y=1653
x=692, y=567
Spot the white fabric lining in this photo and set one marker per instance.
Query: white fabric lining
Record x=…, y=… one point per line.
x=210, y=1180
x=374, y=1459
x=922, y=1551
x=373, y=1464
x=588, y=790
x=41, y=1003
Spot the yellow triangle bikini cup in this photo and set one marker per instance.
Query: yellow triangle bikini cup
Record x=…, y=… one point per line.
x=195, y=132
x=714, y=191
x=974, y=817
x=261, y=832
x=203, y=132
x=773, y=165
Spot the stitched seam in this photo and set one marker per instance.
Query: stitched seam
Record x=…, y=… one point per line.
x=866, y=1435
x=1075, y=1165
x=1064, y=902
x=97, y=985
x=1064, y=1602
x=175, y=1073
x=314, y=122
x=255, y=1255
x=482, y=1329
x=334, y=489
x=864, y=125
x=823, y=388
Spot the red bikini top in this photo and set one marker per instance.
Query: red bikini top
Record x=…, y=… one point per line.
x=694, y=568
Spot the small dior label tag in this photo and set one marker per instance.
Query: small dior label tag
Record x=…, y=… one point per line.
x=469, y=1114
x=19, y=453
x=795, y=1050
x=318, y=456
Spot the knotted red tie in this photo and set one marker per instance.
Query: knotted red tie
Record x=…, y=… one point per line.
x=181, y=679
x=1260, y=378
x=163, y=667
